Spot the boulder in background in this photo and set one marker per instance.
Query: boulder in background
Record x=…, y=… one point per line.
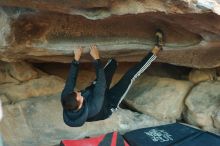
x=162, y=98
x=203, y=106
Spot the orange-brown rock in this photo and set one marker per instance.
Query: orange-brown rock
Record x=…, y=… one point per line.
x=197, y=75
x=46, y=32
x=49, y=31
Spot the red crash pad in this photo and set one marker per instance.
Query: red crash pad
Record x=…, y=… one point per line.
x=110, y=139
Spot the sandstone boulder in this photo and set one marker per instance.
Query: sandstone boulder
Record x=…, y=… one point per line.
x=22, y=71
x=44, y=85
x=39, y=121
x=6, y=78
x=100, y=9
x=38, y=35
x=4, y=99
x=203, y=105
x=199, y=75
x=162, y=98
x=217, y=120
x=4, y=75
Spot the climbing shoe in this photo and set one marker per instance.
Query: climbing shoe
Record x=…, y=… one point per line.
x=159, y=38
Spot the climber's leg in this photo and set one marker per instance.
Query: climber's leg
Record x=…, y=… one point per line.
x=119, y=90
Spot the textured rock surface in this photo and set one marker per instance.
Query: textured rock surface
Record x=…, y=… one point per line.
x=16, y=72
x=22, y=71
x=191, y=29
x=217, y=120
x=20, y=80
x=39, y=122
x=162, y=98
x=199, y=75
x=44, y=85
x=4, y=99
x=203, y=105
x=40, y=118
x=6, y=78
x=49, y=31
x=99, y=9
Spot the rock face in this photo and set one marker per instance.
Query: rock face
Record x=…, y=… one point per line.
x=16, y=72
x=197, y=75
x=22, y=71
x=4, y=99
x=22, y=81
x=191, y=29
x=38, y=121
x=162, y=98
x=45, y=85
x=203, y=105
x=6, y=78
x=49, y=31
x=100, y=9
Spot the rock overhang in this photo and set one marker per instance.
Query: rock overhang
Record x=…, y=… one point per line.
x=38, y=35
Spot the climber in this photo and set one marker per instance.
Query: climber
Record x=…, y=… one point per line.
x=97, y=101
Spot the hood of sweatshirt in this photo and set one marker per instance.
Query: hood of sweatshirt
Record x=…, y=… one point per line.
x=76, y=118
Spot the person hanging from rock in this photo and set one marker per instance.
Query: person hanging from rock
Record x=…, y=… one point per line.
x=98, y=101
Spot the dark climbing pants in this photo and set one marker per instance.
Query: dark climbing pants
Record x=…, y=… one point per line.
x=116, y=94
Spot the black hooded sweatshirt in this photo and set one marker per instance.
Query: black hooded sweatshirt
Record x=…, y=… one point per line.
x=93, y=96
